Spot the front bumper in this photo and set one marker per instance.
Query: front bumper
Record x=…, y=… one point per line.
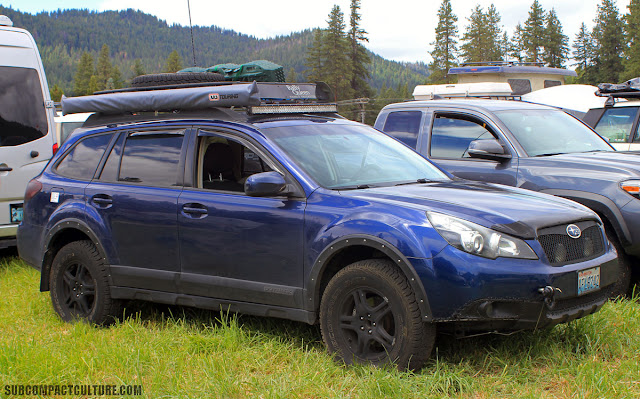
x=504, y=294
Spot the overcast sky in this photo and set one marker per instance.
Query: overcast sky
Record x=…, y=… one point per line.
x=401, y=30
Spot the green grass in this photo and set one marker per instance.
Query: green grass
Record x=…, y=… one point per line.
x=183, y=352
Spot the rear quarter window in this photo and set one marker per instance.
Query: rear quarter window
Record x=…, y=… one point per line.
x=616, y=124
x=81, y=162
x=23, y=117
x=404, y=126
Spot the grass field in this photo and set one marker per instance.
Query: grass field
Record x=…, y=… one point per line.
x=182, y=352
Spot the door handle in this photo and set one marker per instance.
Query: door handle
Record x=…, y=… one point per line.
x=194, y=209
x=6, y=168
x=102, y=200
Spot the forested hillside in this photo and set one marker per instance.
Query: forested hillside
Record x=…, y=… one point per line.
x=63, y=36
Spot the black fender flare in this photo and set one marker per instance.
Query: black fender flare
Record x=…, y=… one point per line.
x=56, y=230
x=600, y=204
x=313, y=282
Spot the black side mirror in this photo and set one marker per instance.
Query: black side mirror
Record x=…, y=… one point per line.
x=266, y=184
x=488, y=149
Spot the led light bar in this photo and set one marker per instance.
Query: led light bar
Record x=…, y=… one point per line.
x=292, y=109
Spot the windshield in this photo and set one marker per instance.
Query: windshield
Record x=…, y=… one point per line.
x=549, y=132
x=340, y=156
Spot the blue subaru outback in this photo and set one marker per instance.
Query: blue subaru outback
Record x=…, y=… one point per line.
x=260, y=199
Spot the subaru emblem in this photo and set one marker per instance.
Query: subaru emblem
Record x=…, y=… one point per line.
x=574, y=231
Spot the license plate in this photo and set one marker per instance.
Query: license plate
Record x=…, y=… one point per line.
x=588, y=280
x=16, y=213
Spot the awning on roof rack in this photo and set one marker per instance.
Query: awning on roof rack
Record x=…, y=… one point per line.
x=198, y=98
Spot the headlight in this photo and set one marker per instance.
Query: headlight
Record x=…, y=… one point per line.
x=479, y=240
x=632, y=187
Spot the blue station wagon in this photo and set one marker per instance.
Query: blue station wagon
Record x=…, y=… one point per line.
x=260, y=199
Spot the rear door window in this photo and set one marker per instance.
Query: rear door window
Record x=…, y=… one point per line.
x=151, y=159
x=616, y=124
x=22, y=114
x=404, y=126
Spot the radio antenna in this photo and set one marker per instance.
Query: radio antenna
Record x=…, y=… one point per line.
x=193, y=46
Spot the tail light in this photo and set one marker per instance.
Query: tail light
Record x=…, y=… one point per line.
x=55, y=148
x=33, y=188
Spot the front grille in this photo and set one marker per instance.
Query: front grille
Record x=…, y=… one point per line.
x=561, y=249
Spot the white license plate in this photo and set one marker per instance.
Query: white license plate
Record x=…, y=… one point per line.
x=588, y=280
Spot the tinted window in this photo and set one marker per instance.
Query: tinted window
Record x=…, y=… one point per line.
x=22, y=114
x=552, y=83
x=110, y=169
x=520, y=86
x=151, y=159
x=67, y=128
x=616, y=124
x=450, y=136
x=81, y=162
x=404, y=125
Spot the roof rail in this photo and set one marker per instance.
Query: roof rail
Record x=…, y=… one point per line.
x=502, y=63
x=256, y=97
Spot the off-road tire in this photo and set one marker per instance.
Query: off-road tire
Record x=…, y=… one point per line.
x=622, y=285
x=369, y=314
x=172, y=79
x=80, y=286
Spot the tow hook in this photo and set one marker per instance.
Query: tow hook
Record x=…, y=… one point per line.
x=549, y=293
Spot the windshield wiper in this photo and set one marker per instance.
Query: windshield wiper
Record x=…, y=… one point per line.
x=418, y=181
x=358, y=187
x=550, y=154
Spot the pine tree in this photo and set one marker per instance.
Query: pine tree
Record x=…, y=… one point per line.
x=116, y=77
x=471, y=49
x=516, y=46
x=533, y=38
x=609, y=43
x=328, y=57
x=445, y=48
x=56, y=93
x=138, y=69
x=174, y=62
x=494, y=35
x=82, y=80
x=632, y=62
x=358, y=56
x=556, y=43
x=483, y=36
x=103, y=68
x=291, y=75
x=583, y=55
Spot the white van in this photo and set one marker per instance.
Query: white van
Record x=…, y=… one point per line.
x=27, y=139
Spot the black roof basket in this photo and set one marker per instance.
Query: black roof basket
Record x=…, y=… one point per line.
x=628, y=90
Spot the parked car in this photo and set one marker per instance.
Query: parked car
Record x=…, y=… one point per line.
x=617, y=121
x=66, y=124
x=26, y=123
x=279, y=207
x=530, y=146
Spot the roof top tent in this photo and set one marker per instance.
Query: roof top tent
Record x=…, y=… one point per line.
x=523, y=77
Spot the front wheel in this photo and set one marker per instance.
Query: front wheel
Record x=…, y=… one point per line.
x=369, y=314
x=80, y=285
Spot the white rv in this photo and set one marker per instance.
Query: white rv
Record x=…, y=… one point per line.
x=27, y=138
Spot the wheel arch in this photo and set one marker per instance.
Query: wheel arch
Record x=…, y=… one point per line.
x=349, y=249
x=63, y=233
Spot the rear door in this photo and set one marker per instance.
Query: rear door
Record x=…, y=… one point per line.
x=134, y=200
x=450, y=135
x=25, y=123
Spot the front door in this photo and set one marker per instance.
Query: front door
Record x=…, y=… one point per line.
x=233, y=246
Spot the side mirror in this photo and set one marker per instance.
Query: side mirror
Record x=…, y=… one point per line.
x=488, y=149
x=266, y=184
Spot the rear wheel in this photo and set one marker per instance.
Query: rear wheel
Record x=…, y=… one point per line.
x=80, y=285
x=369, y=314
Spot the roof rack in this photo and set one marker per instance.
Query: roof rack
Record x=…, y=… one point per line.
x=627, y=90
x=256, y=97
x=492, y=90
x=502, y=63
